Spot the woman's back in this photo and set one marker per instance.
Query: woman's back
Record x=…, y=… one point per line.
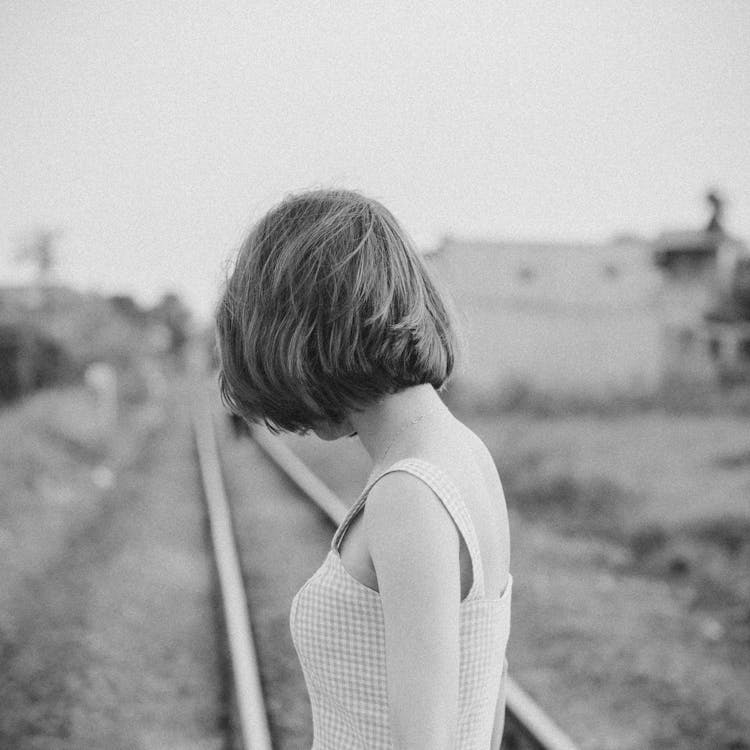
x=467, y=463
x=339, y=631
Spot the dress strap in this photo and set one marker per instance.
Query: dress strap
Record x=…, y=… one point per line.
x=355, y=508
x=350, y=514
x=448, y=494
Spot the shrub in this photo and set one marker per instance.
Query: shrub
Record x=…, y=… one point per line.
x=29, y=360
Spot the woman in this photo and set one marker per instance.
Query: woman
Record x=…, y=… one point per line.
x=330, y=322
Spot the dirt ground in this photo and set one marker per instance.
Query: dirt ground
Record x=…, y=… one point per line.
x=109, y=631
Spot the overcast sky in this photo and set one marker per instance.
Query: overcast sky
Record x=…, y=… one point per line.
x=153, y=133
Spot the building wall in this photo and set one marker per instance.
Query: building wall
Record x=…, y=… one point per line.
x=563, y=318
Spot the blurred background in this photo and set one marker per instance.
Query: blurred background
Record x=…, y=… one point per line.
x=578, y=176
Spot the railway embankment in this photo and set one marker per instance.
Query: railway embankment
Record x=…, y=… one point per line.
x=109, y=631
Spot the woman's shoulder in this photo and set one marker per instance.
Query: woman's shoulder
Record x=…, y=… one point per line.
x=451, y=462
x=406, y=495
x=460, y=454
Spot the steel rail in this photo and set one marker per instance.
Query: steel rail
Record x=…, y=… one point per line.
x=253, y=722
x=540, y=732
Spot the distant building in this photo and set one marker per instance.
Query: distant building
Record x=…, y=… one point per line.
x=559, y=317
x=707, y=300
x=594, y=319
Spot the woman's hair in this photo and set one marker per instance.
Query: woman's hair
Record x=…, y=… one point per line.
x=328, y=308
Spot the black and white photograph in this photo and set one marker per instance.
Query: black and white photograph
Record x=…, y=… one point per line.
x=375, y=375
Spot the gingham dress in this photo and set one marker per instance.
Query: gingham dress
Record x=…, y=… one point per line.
x=338, y=630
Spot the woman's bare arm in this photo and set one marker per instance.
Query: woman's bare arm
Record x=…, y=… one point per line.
x=414, y=546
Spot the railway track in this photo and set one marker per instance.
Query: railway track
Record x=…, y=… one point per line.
x=527, y=727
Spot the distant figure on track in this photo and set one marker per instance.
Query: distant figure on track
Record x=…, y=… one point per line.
x=238, y=425
x=330, y=322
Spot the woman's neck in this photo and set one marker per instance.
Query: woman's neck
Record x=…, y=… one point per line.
x=383, y=425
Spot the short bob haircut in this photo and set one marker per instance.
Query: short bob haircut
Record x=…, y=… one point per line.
x=328, y=307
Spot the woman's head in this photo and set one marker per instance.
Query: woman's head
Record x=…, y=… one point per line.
x=327, y=309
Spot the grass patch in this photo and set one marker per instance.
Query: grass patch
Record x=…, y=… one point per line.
x=591, y=505
x=733, y=461
x=672, y=396
x=732, y=535
x=693, y=722
x=729, y=537
x=709, y=559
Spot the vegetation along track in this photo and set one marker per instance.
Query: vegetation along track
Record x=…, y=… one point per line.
x=279, y=498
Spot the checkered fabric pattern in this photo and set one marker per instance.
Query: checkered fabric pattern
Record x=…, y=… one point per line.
x=338, y=631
